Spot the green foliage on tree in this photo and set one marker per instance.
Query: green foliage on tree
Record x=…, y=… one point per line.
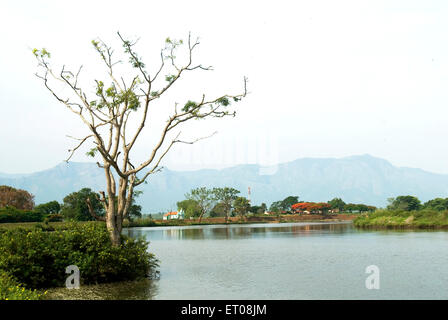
x=190, y=207
x=276, y=206
x=204, y=198
x=52, y=207
x=226, y=196
x=75, y=205
x=358, y=207
x=241, y=206
x=288, y=202
x=135, y=212
x=284, y=205
x=406, y=203
x=337, y=203
x=263, y=207
x=258, y=209
x=219, y=210
x=438, y=204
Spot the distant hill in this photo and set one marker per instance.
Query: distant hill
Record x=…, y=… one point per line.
x=358, y=179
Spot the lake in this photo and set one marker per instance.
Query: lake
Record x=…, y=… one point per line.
x=296, y=261
x=288, y=261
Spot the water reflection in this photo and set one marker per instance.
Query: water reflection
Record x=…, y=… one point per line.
x=241, y=231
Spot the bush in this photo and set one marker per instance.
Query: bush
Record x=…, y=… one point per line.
x=55, y=217
x=38, y=258
x=10, y=289
x=11, y=214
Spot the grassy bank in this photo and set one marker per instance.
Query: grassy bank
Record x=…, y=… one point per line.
x=50, y=226
x=400, y=219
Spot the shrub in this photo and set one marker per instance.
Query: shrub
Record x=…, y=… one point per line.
x=11, y=214
x=38, y=258
x=10, y=289
x=55, y=217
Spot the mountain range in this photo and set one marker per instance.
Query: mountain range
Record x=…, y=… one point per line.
x=356, y=179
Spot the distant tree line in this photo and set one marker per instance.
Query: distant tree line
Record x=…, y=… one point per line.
x=216, y=202
x=17, y=205
x=411, y=203
x=292, y=204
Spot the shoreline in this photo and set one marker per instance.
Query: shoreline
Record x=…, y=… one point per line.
x=238, y=220
x=403, y=227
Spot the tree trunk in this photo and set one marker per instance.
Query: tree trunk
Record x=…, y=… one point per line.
x=227, y=214
x=111, y=223
x=113, y=218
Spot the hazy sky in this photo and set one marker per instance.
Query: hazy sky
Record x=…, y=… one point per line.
x=326, y=78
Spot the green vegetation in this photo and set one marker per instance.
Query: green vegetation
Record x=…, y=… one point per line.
x=284, y=205
x=46, y=226
x=406, y=203
x=407, y=212
x=241, y=206
x=219, y=210
x=203, y=198
x=259, y=209
x=11, y=214
x=36, y=258
x=225, y=198
x=17, y=205
x=337, y=204
x=75, y=205
x=358, y=207
x=10, y=289
x=52, y=207
x=190, y=207
x=438, y=204
x=291, y=205
x=214, y=202
x=384, y=218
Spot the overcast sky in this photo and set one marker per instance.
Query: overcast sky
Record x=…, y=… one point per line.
x=326, y=78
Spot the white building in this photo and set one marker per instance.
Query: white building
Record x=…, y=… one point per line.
x=174, y=215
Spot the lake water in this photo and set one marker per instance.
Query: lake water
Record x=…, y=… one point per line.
x=295, y=261
x=284, y=261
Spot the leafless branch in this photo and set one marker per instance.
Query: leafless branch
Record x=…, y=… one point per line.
x=79, y=145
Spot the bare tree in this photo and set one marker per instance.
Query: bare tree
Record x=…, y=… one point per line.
x=108, y=114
